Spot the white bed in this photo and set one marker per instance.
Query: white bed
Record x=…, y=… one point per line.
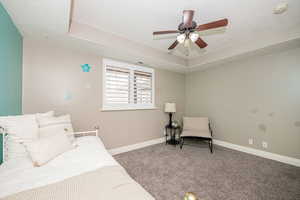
x=20, y=175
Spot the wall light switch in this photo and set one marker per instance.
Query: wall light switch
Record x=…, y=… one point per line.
x=250, y=141
x=264, y=144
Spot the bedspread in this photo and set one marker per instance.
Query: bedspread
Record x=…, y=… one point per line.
x=110, y=182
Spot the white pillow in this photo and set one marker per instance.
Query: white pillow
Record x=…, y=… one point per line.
x=46, y=114
x=45, y=149
x=53, y=125
x=18, y=128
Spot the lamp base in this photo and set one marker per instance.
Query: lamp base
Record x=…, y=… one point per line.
x=170, y=119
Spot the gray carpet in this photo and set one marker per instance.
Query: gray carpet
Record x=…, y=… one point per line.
x=168, y=172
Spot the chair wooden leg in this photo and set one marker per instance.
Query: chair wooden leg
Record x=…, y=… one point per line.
x=211, y=146
x=166, y=135
x=181, y=142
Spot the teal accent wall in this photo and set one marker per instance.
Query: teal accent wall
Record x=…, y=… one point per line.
x=1, y=150
x=11, y=46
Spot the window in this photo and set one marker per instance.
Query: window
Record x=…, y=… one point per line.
x=127, y=86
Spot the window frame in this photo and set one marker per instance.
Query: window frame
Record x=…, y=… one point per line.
x=131, y=67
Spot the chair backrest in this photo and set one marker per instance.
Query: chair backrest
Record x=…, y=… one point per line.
x=196, y=123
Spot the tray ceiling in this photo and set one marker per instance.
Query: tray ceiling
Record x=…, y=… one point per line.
x=250, y=22
x=123, y=29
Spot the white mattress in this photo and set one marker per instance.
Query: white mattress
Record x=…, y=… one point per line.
x=19, y=175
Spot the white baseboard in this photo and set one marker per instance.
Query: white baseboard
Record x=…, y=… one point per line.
x=264, y=154
x=124, y=149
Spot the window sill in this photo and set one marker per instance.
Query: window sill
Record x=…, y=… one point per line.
x=108, y=109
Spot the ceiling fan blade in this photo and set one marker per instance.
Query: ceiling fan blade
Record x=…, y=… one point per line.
x=173, y=45
x=215, y=24
x=201, y=43
x=165, y=32
x=188, y=18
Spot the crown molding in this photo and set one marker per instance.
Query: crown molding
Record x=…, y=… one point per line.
x=114, y=46
x=208, y=61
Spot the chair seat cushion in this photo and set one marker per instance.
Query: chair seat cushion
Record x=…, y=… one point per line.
x=196, y=133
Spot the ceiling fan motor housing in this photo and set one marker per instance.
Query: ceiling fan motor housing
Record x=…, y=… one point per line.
x=182, y=27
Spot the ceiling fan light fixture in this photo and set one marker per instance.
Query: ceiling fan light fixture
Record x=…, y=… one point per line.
x=181, y=38
x=194, y=37
x=280, y=8
x=186, y=43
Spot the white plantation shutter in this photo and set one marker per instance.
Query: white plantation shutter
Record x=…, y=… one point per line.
x=142, y=87
x=117, y=85
x=127, y=86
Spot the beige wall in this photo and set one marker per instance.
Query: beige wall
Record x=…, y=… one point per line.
x=257, y=97
x=52, y=71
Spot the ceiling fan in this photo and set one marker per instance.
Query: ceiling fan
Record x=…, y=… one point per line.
x=188, y=30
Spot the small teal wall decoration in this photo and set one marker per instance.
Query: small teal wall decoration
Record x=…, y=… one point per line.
x=68, y=96
x=86, y=67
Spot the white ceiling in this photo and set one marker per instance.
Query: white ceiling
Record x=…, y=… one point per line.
x=250, y=21
x=39, y=16
x=123, y=29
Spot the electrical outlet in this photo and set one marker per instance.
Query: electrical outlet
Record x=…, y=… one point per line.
x=250, y=141
x=264, y=144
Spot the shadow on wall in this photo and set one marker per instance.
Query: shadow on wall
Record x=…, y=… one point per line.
x=262, y=127
x=297, y=124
